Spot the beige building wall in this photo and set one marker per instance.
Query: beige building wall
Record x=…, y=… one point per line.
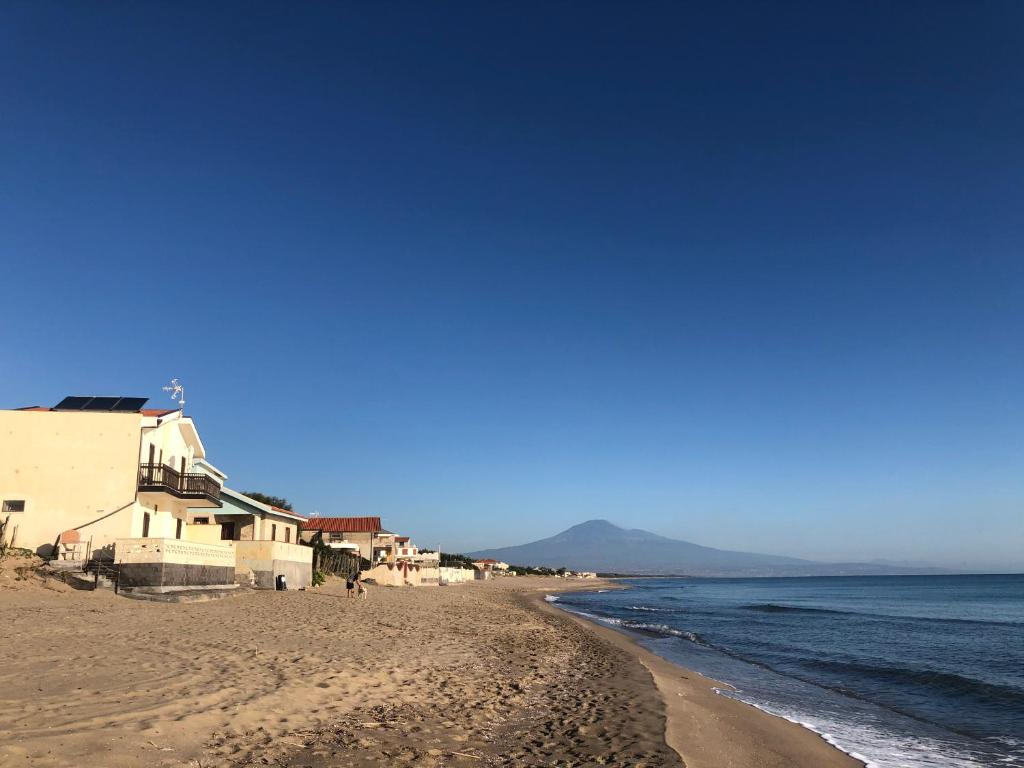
x=265, y=560
x=204, y=534
x=273, y=529
x=79, y=470
x=390, y=575
x=70, y=469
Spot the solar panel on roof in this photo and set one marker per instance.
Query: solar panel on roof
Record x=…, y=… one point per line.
x=101, y=404
x=72, y=403
x=119, y=404
x=130, y=403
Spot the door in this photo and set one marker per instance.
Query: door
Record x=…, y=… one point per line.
x=227, y=531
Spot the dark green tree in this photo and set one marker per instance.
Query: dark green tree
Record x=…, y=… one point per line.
x=274, y=501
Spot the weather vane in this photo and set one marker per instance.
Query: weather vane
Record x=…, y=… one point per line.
x=177, y=391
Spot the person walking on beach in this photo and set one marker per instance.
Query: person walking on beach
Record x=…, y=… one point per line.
x=350, y=585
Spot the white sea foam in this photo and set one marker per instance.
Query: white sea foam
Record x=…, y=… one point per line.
x=649, y=609
x=887, y=749
x=551, y=598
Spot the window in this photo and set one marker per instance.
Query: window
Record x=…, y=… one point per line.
x=14, y=505
x=145, y=525
x=177, y=530
x=273, y=532
x=337, y=537
x=287, y=535
x=201, y=521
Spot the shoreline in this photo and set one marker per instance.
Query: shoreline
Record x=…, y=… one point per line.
x=452, y=677
x=484, y=674
x=706, y=729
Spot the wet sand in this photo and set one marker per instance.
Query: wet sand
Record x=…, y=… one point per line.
x=481, y=674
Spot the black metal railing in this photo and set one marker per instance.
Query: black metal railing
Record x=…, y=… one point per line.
x=104, y=569
x=185, y=485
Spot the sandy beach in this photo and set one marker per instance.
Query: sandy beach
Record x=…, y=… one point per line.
x=469, y=675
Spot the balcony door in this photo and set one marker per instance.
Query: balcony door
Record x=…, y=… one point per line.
x=227, y=531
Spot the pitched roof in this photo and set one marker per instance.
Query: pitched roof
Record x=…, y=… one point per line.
x=238, y=496
x=156, y=411
x=343, y=524
x=401, y=539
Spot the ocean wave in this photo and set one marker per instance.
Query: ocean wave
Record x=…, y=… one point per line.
x=774, y=608
x=551, y=598
x=640, y=626
x=665, y=631
x=946, y=682
x=650, y=609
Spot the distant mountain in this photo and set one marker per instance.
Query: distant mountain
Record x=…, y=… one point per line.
x=598, y=545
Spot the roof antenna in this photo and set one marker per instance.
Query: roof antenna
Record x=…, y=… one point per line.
x=177, y=391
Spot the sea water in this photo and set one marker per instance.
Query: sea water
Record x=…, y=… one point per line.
x=899, y=671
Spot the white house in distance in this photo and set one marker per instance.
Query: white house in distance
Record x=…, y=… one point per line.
x=489, y=567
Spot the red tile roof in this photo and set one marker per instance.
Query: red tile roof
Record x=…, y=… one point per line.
x=156, y=411
x=342, y=524
x=401, y=539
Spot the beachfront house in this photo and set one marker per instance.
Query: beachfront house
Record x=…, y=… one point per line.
x=265, y=540
x=384, y=548
x=404, y=548
x=105, y=479
x=489, y=567
x=428, y=564
x=101, y=482
x=362, y=535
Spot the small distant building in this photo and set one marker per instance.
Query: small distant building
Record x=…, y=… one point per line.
x=405, y=549
x=490, y=567
x=364, y=535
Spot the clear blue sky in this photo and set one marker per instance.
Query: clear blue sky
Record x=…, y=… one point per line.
x=746, y=274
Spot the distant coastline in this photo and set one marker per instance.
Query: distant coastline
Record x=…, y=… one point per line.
x=601, y=546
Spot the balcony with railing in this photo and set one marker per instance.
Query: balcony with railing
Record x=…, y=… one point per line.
x=160, y=478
